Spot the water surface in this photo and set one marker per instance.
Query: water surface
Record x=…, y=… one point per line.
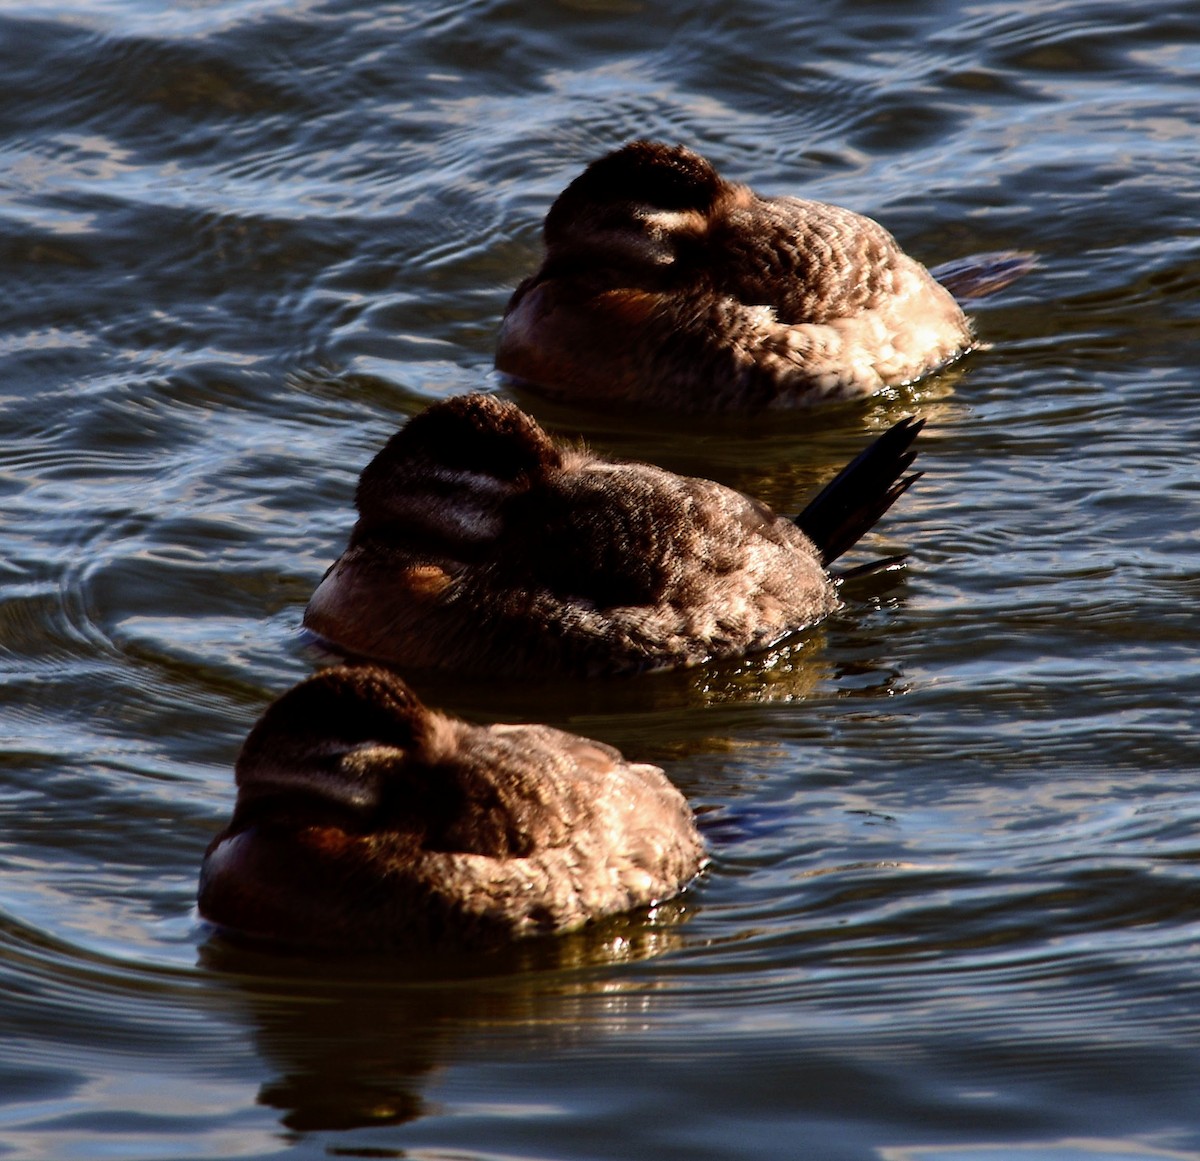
x=952, y=911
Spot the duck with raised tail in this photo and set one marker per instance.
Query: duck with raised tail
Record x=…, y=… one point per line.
x=484, y=546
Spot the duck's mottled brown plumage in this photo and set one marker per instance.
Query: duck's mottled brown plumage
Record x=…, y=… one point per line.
x=365, y=820
x=664, y=284
x=484, y=546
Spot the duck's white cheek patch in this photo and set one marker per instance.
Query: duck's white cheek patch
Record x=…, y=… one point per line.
x=662, y=222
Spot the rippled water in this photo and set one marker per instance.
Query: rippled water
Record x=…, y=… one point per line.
x=953, y=909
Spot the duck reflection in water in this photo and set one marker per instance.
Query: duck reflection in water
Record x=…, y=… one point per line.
x=357, y=1047
x=365, y=821
x=483, y=546
x=663, y=284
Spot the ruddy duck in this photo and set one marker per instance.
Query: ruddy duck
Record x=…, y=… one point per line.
x=484, y=546
x=365, y=821
x=663, y=284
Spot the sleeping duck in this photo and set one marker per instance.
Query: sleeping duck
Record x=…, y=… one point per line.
x=665, y=285
x=484, y=546
x=365, y=821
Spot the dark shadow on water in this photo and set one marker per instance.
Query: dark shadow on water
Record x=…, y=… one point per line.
x=698, y=705
x=663, y=717
x=779, y=457
x=353, y=1041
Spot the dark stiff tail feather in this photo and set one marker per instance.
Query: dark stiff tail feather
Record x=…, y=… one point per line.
x=851, y=503
x=984, y=274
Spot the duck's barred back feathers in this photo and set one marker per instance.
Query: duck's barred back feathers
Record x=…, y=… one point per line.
x=854, y=500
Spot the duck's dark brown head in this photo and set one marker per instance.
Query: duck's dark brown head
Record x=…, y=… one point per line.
x=325, y=748
x=444, y=476
x=341, y=782
x=634, y=205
